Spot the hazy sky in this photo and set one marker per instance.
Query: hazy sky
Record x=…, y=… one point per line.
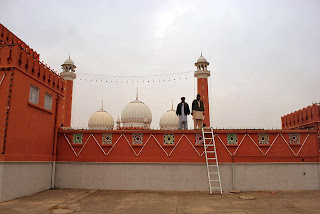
x=264, y=55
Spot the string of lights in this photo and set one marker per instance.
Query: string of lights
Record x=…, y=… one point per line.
x=134, y=79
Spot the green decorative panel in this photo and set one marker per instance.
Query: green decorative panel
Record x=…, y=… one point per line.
x=232, y=139
x=77, y=138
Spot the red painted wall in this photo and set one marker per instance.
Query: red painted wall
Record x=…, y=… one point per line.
x=153, y=149
x=27, y=129
x=30, y=130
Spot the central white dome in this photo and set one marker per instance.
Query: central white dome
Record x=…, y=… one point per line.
x=169, y=120
x=136, y=114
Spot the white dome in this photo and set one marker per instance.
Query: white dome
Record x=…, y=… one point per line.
x=101, y=120
x=169, y=120
x=68, y=62
x=136, y=114
x=202, y=59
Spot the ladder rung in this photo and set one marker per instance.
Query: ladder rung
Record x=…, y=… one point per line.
x=210, y=151
x=208, y=138
x=215, y=187
x=215, y=180
x=213, y=172
x=208, y=144
x=213, y=165
x=211, y=158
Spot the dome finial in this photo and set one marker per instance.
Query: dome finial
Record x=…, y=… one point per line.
x=137, y=93
x=171, y=104
x=101, y=104
x=69, y=56
x=201, y=52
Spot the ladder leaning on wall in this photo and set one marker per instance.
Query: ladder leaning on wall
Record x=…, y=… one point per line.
x=211, y=159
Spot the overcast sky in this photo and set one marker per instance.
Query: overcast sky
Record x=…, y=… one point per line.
x=264, y=55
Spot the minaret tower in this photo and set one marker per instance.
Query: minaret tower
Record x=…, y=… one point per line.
x=202, y=75
x=68, y=74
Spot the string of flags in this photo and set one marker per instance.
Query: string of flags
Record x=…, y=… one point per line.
x=134, y=79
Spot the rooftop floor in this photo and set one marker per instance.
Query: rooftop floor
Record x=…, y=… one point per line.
x=103, y=201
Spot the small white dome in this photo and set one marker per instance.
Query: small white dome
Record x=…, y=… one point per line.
x=202, y=59
x=101, y=120
x=136, y=114
x=68, y=62
x=169, y=120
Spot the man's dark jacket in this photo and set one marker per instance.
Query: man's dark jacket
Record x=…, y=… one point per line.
x=196, y=107
x=186, y=109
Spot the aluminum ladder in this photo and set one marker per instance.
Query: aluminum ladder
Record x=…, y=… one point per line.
x=211, y=159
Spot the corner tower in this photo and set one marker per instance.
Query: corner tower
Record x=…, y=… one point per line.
x=68, y=74
x=202, y=75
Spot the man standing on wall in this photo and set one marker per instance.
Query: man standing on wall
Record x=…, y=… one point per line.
x=183, y=111
x=198, y=112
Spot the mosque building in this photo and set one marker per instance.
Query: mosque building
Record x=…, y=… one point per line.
x=136, y=114
x=139, y=116
x=39, y=149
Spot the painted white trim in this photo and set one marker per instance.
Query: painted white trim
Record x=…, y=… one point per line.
x=2, y=78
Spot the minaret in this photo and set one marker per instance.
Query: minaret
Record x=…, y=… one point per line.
x=68, y=74
x=202, y=75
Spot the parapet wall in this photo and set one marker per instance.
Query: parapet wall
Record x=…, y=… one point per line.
x=8, y=38
x=17, y=57
x=302, y=118
x=186, y=146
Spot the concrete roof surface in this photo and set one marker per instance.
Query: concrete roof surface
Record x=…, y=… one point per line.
x=138, y=202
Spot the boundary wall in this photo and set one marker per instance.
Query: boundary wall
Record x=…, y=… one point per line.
x=186, y=146
x=285, y=161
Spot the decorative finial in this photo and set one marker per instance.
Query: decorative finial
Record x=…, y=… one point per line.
x=171, y=104
x=137, y=94
x=101, y=104
x=69, y=56
x=201, y=52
